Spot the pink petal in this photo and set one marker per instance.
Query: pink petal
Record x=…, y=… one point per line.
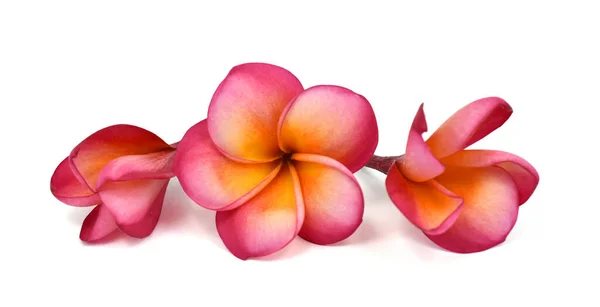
x=211, y=179
x=69, y=190
x=97, y=225
x=333, y=199
x=267, y=222
x=244, y=111
x=156, y=165
x=428, y=205
x=330, y=121
x=92, y=154
x=146, y=225
x=130, y=201
x=419, y=164
x=468, y=125
x=524, y=174
x=490, y=208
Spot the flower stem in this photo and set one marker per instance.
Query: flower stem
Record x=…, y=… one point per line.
x=382, y=164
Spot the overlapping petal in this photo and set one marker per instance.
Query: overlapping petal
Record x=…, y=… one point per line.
x=419, y=164
x=67, y=188
x=92, y=154
x=130, y=201
x=468, y=125
x=98, y=224
x=490, y=208
x=331, y=121
x=244, y=112
x=267, y=222
x=145, y=226
x=333, y=199
x=156, y=165
x=524, y=174
x=428, y=205
x=213, y=180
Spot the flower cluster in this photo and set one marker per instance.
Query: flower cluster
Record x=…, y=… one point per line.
x=276, y=160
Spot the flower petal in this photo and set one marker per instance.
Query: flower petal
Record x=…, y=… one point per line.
x=490, y=209
x=156, y=165
x=93, y=153
x=333, y=199
x=428, y=205
x=266, y=223
x=419, y=164
x=130, y=201
x=469, y=125
x=330, y=121
x=244, y=111
x=69, y=190
x=97, y=225
x=524, y=174
x=211, y=179
x=146, y=225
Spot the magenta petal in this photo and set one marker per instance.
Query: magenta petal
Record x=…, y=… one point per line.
x=156, y=165
x=419, y=164
x=67, y=188
x=97, y=225
x=146, y=225
x=130, y=201
x=523, y=173
x=468, y=125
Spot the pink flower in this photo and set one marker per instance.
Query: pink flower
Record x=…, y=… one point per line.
x=276, y=161
x=122, y=169
x=463, y=200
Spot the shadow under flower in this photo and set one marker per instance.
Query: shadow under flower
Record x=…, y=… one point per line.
x=182, y=214
x=366, y=233
x=78, y=214
x=372, y=184
x=297, y=247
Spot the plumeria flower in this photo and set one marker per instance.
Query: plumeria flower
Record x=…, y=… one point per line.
x=123, y=170
x=276, y=161
x=463, y=200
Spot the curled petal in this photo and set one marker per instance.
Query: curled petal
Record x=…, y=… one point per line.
x=92, y=154
x=490, y=208
x=419, y=164
x=146, y=225
x=524, y=174
x=130, y=201
x=266, y=223
x=67, y=188
x=333, y=199
x=244, y=111
x=468, y=125
x=97, y=225
x=156, y=165
x=211, y=179
x=330, y=121
x=428, y=205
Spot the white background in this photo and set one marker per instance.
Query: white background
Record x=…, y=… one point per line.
x=69, y=68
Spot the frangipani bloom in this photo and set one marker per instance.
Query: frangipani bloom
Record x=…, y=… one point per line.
x=275, y=160
x=122, y=169
x=464, y=200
